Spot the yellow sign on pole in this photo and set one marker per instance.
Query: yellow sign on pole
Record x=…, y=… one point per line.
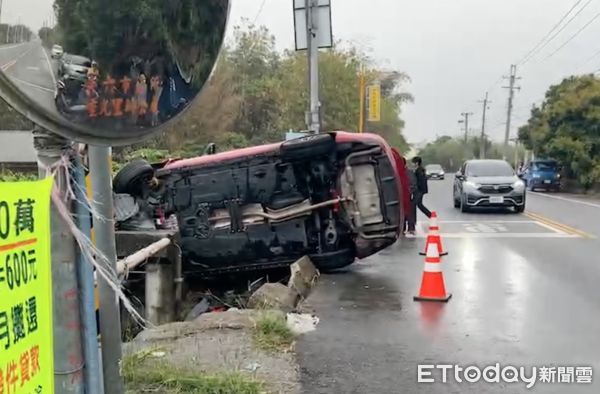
x=26, y=353
x=374, y=103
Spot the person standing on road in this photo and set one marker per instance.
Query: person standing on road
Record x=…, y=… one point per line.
x=411, y=215
x=422, y=188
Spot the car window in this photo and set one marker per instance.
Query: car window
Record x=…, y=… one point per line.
x=544, y=166
x=433, y=167
x=489, y=168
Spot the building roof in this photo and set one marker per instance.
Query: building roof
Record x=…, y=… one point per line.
x=17, y=147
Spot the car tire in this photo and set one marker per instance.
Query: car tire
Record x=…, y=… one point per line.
x=456, y=202
x=463, y=204
x=132, y=177
x=308, y=146
x=333, y=261
x=520, y=208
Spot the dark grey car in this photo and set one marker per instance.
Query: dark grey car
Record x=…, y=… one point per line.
x=488, y=183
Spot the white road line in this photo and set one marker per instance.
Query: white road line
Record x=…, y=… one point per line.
x=589, y=204
x=32, y=85
x=505, y=235
x=50, y=70
x=487, y=221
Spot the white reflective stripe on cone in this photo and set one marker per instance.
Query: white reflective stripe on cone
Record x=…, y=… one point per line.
x=433, y=267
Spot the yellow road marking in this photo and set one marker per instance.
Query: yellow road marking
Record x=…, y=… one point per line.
x=559, y=226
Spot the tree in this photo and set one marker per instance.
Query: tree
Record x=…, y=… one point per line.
x=566, y=127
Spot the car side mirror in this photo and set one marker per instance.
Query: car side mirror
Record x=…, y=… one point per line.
x=459, y=176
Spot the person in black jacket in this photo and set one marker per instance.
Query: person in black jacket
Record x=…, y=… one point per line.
x=422, y=188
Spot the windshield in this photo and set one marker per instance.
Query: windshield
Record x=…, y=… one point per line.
x=489, y=168
x=544, y=166
x=433, y=167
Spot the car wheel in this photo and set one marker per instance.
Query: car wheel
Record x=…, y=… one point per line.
x=456, y=202
x=463, y=203
x=132, y=177
x=308, y=146
x=520, y=208
x=332, y=261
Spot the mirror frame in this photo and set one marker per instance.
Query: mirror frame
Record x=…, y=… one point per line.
x=29, y=108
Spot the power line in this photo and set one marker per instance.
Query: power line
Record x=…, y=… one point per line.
x=574, y=36
x=587, y=3
x=260, y=9
x=522, y=61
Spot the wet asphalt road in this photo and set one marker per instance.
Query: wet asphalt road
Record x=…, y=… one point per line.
x=32, y=70
x=526, y=292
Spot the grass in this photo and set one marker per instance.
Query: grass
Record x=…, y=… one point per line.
x=141, y=376
x=271, y=333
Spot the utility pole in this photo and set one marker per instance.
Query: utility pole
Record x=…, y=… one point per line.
x=466, y=116
x=68, y=352
x=312, y=27
x=511, y=95
x=482, y=142
x=361, y=92
x=104, y=228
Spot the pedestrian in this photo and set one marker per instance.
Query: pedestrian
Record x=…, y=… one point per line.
x=422, y=189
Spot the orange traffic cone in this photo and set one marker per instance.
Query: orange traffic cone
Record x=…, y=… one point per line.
x=432, y=284
x=433, y=236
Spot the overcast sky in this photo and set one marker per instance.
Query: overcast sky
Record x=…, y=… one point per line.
x=454, y=50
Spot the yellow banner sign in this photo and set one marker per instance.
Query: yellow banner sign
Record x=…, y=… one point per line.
x=26, y=355
x=374, y=103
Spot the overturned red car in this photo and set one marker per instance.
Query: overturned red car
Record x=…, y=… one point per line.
x=335, y=197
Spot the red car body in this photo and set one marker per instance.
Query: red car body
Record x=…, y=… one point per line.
x=335, y=197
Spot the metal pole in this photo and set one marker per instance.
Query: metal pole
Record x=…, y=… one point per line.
x=511, y=95
x=361, y=92
x=68, y=354
x=104, y=230
x=482, y=142
x=86, y=280
x=314, y=123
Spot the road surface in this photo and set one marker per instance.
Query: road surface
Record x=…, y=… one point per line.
x=30, y=67
x=526, y=292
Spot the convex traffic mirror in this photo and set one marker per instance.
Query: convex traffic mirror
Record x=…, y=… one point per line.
x=108, y=72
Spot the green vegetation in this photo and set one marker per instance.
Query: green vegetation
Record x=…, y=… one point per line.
x=141, y=376
x=566, y=127
x=9, y=176
x=272, y=333
x=258, y=93
x=451, y=152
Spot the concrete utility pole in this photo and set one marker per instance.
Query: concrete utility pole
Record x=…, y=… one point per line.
x=104, y=229
x=466, y=116
x=314, y=115
x=68, y=352
x=482, y=142
x=511, y=95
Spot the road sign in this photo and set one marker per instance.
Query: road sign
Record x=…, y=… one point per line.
x=374, y=103
x=26, y=352
x=323, y=18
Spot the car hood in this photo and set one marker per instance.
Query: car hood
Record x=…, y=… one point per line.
x=493, y=180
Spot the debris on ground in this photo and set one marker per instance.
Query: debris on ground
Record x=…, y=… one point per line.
x=302, y=323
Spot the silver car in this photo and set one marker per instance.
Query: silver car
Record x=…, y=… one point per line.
x=488, y=183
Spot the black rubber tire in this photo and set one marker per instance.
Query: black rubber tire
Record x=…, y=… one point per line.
x=520, y=208
x=463, y=204
x=132, y=177
x=332, y=261
x=308, y=146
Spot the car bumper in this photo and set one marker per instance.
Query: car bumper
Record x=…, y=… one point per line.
x=495, y=200
x=545, y=183
x=435, y=176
